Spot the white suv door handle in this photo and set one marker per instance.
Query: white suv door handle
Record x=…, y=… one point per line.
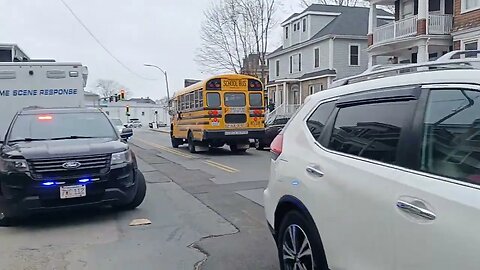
x=314, y=171
x=413, y=209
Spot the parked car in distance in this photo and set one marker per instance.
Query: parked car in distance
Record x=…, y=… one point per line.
x=59, y=159
x=382, y=173
x=159, y=124
x=134, y=123
x=272, y=128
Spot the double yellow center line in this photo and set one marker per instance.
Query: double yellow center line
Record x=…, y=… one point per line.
x=185, y=155
x=220, y=166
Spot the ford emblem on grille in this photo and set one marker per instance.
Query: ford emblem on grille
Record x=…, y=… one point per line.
x=71, y=165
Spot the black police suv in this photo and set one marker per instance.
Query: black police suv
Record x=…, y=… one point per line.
x=55, y=159
x=272, y=128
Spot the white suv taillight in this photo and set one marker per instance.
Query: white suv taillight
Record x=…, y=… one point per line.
x=277, y=146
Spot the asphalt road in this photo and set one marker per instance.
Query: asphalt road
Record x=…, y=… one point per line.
x=205, y=211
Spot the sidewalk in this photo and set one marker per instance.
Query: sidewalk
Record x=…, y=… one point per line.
x=161, y=130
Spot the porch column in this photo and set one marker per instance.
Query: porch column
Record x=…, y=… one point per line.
x=330, y=53
x=422, y=22
x=300, y=100
x=372, y=23
x=284, y=101
x=275, y=99
x=372, y=60
x=422, y=55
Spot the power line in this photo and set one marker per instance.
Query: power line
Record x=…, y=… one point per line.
x=103, y=46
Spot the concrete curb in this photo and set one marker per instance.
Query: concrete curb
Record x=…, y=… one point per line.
x=161, y=131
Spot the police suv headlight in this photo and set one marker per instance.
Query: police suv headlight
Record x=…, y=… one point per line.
x=121, y=157
x=18, y=165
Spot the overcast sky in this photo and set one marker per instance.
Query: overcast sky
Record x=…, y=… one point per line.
x=162, y=32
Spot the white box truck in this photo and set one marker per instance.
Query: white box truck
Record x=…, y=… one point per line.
x=42, y=84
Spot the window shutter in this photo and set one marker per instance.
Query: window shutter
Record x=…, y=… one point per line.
x=397, y=10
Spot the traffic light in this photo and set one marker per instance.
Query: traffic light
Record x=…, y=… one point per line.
x=127, y=110
x=122, y=94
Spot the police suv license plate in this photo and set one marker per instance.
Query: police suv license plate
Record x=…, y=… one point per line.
x=77, y=191
x=236, y=132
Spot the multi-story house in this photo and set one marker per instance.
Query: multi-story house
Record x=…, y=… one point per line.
x=320, y=44
x=423, y=29
x=252, y=65
x=466, y=26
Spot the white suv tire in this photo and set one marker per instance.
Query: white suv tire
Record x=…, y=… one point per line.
x=308, y=251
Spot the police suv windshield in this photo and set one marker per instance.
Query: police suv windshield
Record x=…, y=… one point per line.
x=116, y=122
x=53, y=126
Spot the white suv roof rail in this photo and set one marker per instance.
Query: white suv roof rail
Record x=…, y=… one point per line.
x=450, y=60
x=456, y=55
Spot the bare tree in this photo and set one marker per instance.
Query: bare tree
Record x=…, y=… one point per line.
x=107, y=88
x=259, y=14
x=231, y=31
x=350, y=3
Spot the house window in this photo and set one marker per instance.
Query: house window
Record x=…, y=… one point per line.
x=295, y=63
x=354, y=55
x=316, y=53
x=304, y=22
x=143, y=113
x=468, y=5
x=470, y=46
x=294, y=27
x=433, y=5
x=407, y=7
x=296, y=97
x=314, y=88
x=277, y=68
x=286, y=32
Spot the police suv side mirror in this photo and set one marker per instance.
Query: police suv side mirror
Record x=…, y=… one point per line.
x=126, y=133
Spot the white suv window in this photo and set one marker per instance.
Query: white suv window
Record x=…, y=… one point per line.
x=451, y=136
x=371, y=130
x=316, y=122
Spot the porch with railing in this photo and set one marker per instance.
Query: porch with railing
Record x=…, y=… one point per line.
x=440, y=24
x=398, y=29
x=437, y=25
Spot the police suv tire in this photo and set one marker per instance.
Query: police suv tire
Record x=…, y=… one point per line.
x=259, y=145
x=139, y=196
x=234, y=148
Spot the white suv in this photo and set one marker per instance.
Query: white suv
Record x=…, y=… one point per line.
x=382, y=173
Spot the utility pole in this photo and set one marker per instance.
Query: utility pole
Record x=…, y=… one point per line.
x=166, y=84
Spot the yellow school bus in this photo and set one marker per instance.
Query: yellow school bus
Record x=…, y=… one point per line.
x=225, y=109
